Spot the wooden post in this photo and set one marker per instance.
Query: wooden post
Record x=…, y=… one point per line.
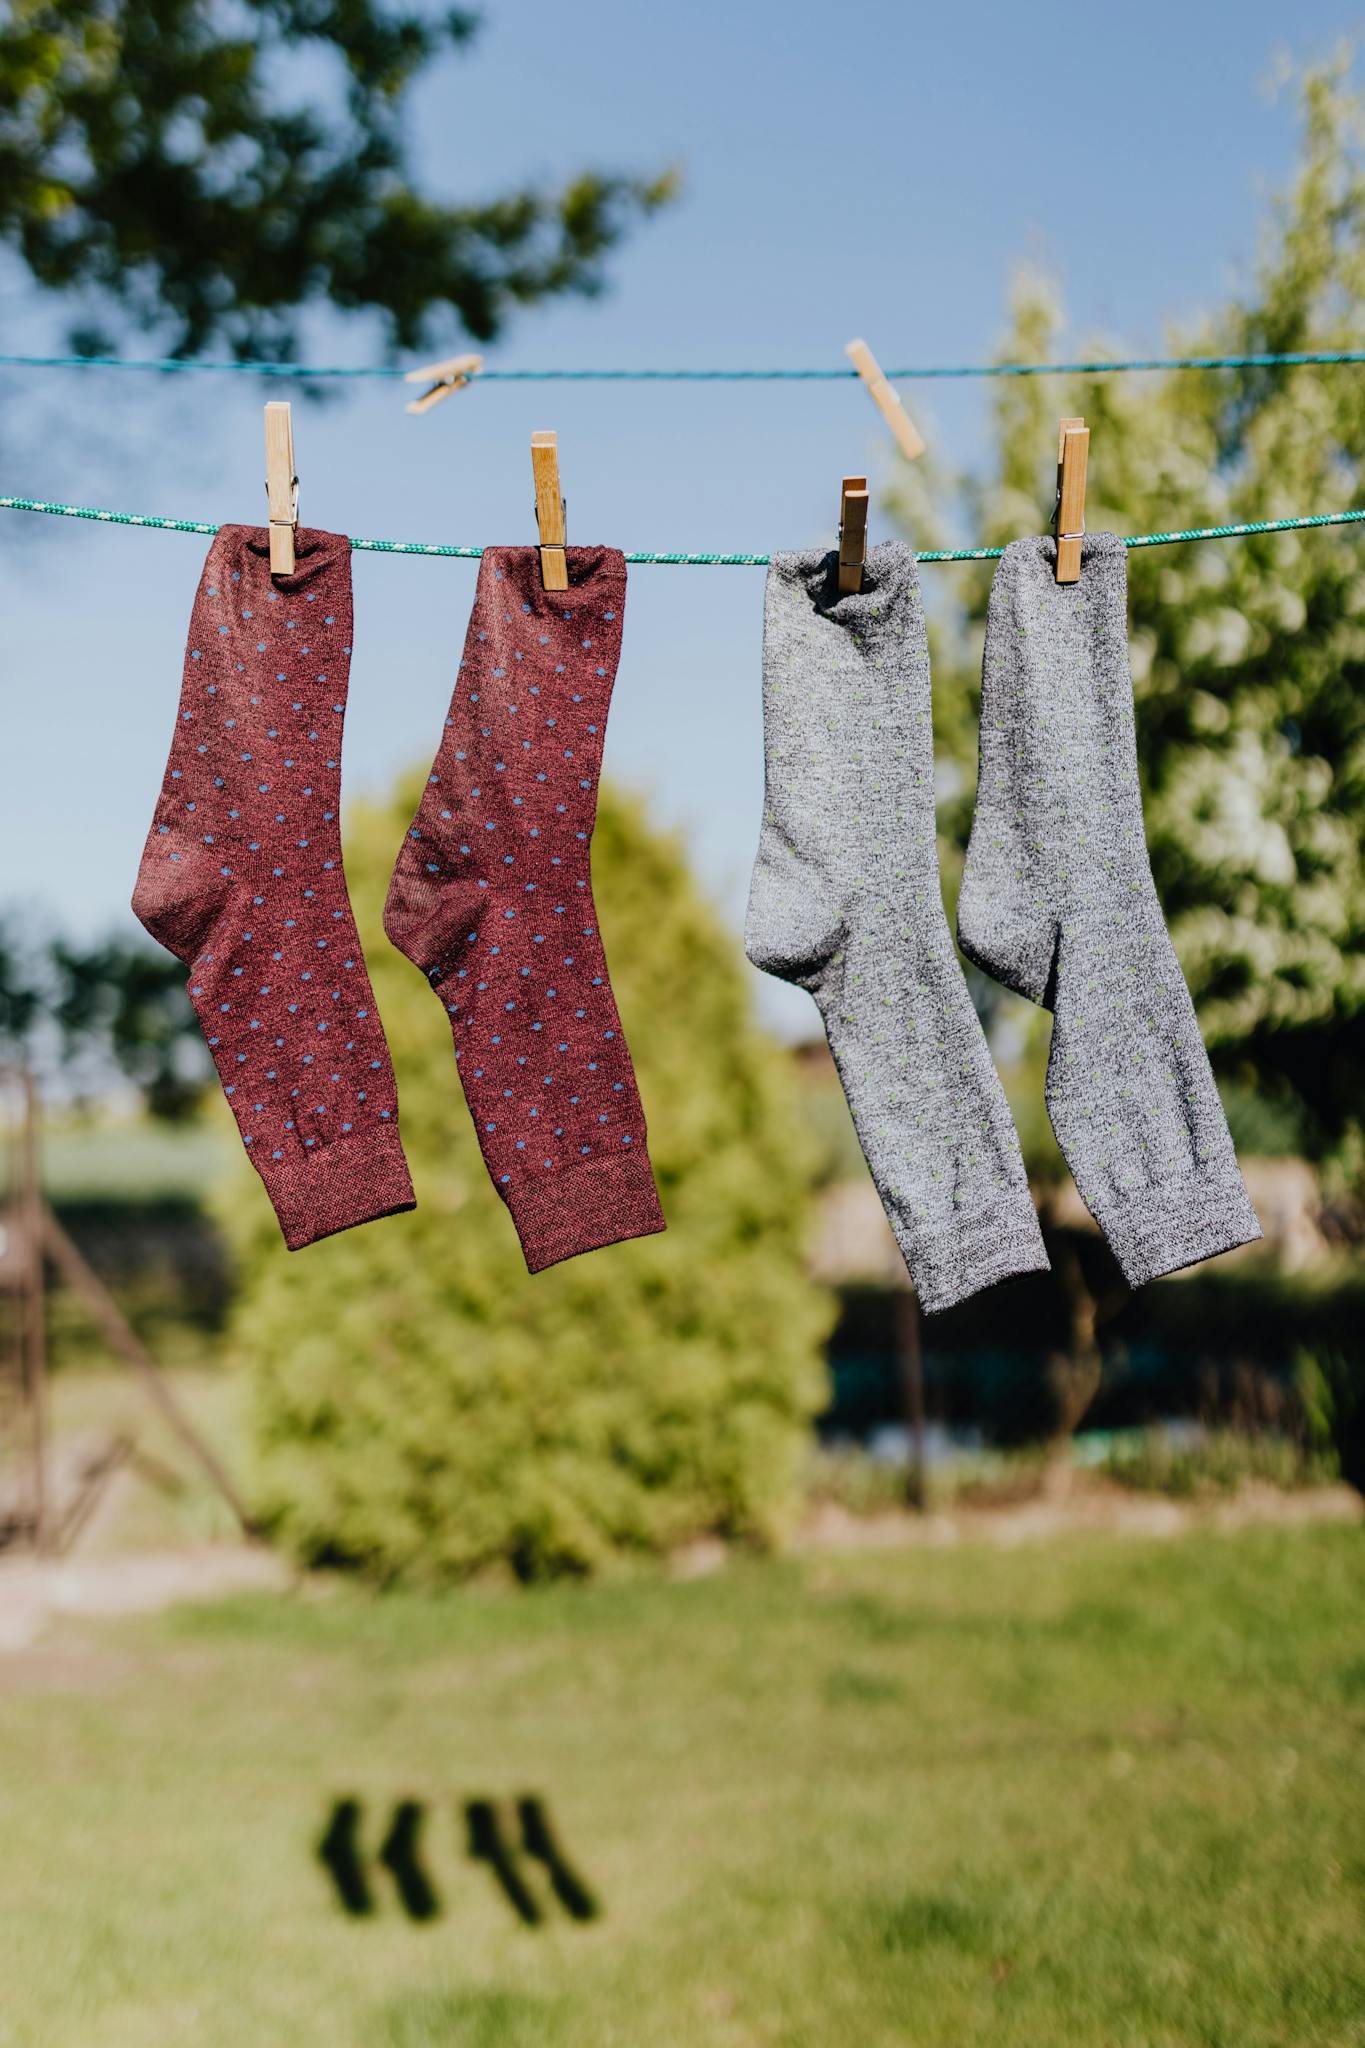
x=36, y=1237
x=910, y=1367
x=106, y=1314
x=33, y=1342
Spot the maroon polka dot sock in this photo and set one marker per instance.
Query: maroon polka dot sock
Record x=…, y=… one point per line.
x=242, y=879
x=492, y=898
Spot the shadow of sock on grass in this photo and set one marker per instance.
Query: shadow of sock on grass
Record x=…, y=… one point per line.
x=510, y=1853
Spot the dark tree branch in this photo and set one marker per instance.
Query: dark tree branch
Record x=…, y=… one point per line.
x=145, y=162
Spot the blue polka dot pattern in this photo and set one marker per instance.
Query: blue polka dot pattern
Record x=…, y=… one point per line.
x=242, y=879
x=492, y=898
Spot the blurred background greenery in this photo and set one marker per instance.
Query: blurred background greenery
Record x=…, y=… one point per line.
x=403, y=1411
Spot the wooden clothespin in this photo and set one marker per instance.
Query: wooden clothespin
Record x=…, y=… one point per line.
x=281, y=486
x=1073, y=455
x=908, y=436
x=852, y=532
x=554, y=570
x=443, y=378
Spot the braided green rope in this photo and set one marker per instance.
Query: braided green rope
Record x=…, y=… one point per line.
x=109, y=518
x=670, y=559
x=311, y=372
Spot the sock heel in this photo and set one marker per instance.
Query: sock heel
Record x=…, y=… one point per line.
x=430, y=925
x=792, y=928
x=178, y=901
x=1004, y=941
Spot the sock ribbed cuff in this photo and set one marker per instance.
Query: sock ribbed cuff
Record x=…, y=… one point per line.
x=952, y=1265
x=602, y=1203
x=1178, y=1223
x=335, y=1187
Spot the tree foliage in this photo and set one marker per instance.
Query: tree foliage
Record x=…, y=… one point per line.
x=1249, y=655
x=149, y=160
x=21, y=996
x=84, y=1015
x=426, y=1409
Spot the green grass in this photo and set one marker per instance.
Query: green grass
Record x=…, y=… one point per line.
x=1094, y=1793
x=132, y=1157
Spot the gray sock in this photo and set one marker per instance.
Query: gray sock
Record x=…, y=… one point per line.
x=1058, y=902
x=845, y=901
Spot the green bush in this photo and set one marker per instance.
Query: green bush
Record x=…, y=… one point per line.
x=425, y=1409
x=1330, y=1384
x=1219, y=1462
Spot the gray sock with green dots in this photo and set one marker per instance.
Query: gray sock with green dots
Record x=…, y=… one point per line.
x=845, y=902
x=1058, y=902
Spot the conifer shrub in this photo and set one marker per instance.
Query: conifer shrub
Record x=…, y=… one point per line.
x=424, y=1409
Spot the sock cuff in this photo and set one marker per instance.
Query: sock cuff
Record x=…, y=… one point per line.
x=1002, y=1243
x=597, y=575
x=333, y=1187
x=1033, y=560
x=890, y=593
x=313, y=545
x=1025, y=595
x=602, y=1202
x=843, y=676
x=1177, y=1223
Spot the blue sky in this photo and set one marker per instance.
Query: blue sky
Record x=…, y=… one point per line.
x=876, y=171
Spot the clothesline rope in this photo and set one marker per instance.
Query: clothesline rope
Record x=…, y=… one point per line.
x=313, y=372
x=670, y=559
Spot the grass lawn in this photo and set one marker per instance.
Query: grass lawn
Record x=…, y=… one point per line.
x=1096, y=1792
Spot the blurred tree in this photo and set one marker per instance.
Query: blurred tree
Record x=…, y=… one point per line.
x=97, y=1012
x=123, y=1003
x=427, y=1409
x=1248, y=664
x=149, y=161
x=21, y=995
x=1248, y=656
